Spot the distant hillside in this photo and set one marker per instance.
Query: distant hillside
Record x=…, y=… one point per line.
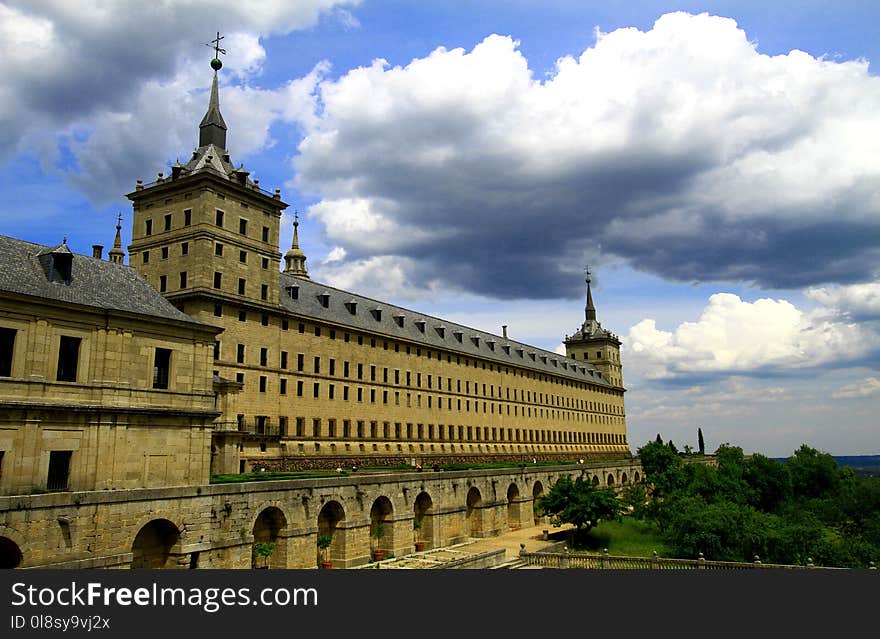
x=862, y=465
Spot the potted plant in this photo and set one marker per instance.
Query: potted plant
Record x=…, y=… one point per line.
x=417, y=526
x=324, y=542
x=378, y=533
x=262, y=552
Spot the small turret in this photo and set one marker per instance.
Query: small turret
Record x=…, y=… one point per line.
x=295, y=259
x=117, y=255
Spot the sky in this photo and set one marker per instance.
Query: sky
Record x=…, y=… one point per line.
x=715, y=164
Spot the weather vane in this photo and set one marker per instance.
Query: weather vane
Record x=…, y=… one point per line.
x=215, y=44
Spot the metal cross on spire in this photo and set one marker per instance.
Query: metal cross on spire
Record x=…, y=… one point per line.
x=119, y=220
x=215, y=43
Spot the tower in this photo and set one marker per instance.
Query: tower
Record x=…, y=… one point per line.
x=596, y=345
x=207, y=233
x=295, y=259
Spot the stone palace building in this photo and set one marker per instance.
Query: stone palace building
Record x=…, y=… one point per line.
x=125, y=387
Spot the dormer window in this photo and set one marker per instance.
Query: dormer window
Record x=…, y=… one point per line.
x=441, y=331
x=398, y=319
x=458, y=335
x=476, y=341
x=520, y=352
x=506, y=348
x=293, y=292
x=377, y=314
x=352, y=307
x=420, y=324
x=491, y=344
x=324, y=298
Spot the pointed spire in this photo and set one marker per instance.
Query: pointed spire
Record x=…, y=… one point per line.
x=116, y=253
x=295, y=259
x=590, y=309
x=212, y=129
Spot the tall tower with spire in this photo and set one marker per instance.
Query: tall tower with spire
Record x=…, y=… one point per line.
x=206, y=235
x=117, y=255
x=596, y=345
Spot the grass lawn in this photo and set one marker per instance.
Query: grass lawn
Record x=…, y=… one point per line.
x=236, y=478
x=629, y=537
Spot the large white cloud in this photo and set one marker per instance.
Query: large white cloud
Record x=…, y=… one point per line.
x=682, y=149
x=736, y=337
x=114, y=86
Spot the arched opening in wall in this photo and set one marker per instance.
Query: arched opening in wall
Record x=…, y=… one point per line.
x=268, y=550
x=381, y=527
x=636, y=477
x=624, y=479
x=610, y=480
x=537, y=493
x=152, y=545
x=474, y=513
x=423, y=521
x=595, y=480
x=329, y=519
x=513, y=519
x=10, y=553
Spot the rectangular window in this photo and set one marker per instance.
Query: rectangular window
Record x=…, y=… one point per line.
x=284, y=325
x=184, y=248
x=242, y=226
x=187, y=217
x=218, y=279
x=146, y=257
x=264, y=355
x=299, y=388
x=317, y=365
x=360, y=371
x=68, y=358
x=264, y=263
x=218, y=249
x=372, y=373
x=265, y=233
x=241, y=285
x=330, y=391
x=168, y=222
x=59, y=469
x=316, y=390
x=262, y=383
x=239, y=377
x=164, y=252
x=7, y=346
x=242, y=316
x=242, y=257
x=345, y=393
x=345, y=369
x=216, y=350
x=264, y=319
x=218, y=218
x=148, y=227
x=161, y=367
x=332, y=366
x=239, y=355
x=183, y=279
x=284, y=359
x=264, y=291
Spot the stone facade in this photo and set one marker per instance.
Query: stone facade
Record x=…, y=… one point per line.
x=217, y=526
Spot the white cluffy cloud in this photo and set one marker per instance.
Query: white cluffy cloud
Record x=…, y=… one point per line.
x=682, y=149
x=733, y=336
x=857, y=300
x=113, y=86
x=868, y=387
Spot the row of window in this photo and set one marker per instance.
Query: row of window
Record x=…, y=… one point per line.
x=68, y=365
x=360, y=429
x=219, y=218
x=488, y=390
x=218, y=251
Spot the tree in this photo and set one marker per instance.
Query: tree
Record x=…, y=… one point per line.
x=813, y=473
x=663, y=468
x=700, y=443
x=579, y=503
x=659, y=439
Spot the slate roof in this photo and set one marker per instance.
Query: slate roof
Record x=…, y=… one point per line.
x=26, y=269
x=321, y=302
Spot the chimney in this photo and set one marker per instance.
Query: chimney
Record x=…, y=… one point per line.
x=504, y=331
x=97, y=251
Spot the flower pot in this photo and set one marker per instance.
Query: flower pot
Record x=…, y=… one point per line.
x=378, y=555
x=326, y=565
x=420, y=546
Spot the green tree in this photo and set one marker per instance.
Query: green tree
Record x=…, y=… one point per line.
x=813, y=473
x=579, y=503
x=769, y=482
x=663, y=468
x=700, y=443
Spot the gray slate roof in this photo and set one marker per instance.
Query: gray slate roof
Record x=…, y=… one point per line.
x=25, y=269
x=365, y=314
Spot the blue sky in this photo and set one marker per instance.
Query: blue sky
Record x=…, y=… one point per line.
x=714, y=163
